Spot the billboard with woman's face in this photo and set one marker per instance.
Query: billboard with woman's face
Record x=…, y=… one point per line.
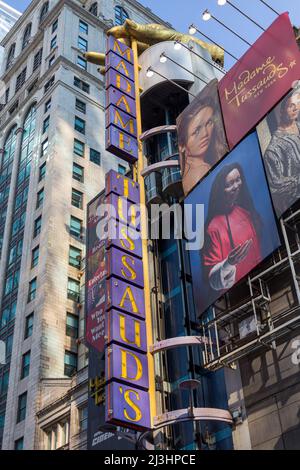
x=201, y=136
x=279, y=136
x=240, y=228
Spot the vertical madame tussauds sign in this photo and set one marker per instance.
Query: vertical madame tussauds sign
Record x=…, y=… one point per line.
x=121, y=129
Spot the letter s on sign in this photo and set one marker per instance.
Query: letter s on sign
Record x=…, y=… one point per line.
x=296, y=354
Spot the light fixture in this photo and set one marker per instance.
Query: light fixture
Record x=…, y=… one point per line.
x=177, y=46
x=149, y=72
x=206, y=15
x=222, y=2
x=163, y=58
x=192, y=30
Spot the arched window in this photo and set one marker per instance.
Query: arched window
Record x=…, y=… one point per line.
x=120, y=15
x=44, y=11
x=94, y=9
x=11, y=55
x=26, y=36
x=9, y=147
x=28, y=132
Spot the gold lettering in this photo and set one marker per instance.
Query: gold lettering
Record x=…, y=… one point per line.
x=123, y=100
x=129, y=123
x=128, y=297
x=132, y=274
x=119, y=83
x=126, y=185
x=117, y=48
x=129, y=243
x=137, y=331
x=139, y=367
x=135, y=408
x=122, y=65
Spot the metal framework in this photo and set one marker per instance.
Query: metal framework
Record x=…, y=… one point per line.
x=236, y=329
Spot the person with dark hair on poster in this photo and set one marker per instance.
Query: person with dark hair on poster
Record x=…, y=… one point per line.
x=282, y=156
x=233, y=228
x=201, y=137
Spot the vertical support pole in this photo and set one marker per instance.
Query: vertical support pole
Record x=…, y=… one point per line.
x=144, y=226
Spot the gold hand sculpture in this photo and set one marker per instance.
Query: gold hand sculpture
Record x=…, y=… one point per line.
x=147, y=35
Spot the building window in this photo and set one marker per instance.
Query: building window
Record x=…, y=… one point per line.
x=82, y=44
x=19, y=444
x=81, y=62
x=83, y=417
x=78, y=148
x=11, y=56
x=83, y=27
x=49, y=84
x=120, y=15
x=33, y=86
x=57, y=436
x=37, y=227
x=46, y=124
x=121, y=169
x=75, y=227
x=12, y=282
x=21, y=79
x=73, y=289
x=77, y=199
x=44, y=148
x=80, y=106
x=37, y=60
x=8, y=313
x=26, y=37
x=25, y=365
x=70, y=363
x=35, y=256
x=47, y=106
x=32, y=290
x=22, y=402
x=44, y=11
x=40, y=198
x=72, y=326
x=79, y=125
x=74, y=257
x=42, y=172
x=95, y=156
x=82, y=85
x=54, y=26
x=5, y=380
x=53, y=43
x=6, y=95
x=51, y=61
x=94, y=9
x=28, y=326
x=78, y=173
x=9, y=344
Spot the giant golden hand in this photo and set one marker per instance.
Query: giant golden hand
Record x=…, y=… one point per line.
x=147, y=35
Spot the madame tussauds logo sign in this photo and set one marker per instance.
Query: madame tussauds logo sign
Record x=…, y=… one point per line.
x=270, y=71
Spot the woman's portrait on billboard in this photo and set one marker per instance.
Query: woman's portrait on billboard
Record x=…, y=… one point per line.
x=279, y=136
x=201, y=136
x=239, y=225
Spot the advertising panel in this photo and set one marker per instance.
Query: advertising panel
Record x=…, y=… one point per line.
x=279, y=137
x=201, y=136
x=240, y=228
x=259, y=79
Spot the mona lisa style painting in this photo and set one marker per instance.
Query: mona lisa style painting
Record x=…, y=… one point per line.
x=240, y=228
x=201, y=136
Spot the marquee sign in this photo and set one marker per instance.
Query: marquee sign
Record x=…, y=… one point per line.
x=259, y=79
x=121, y=129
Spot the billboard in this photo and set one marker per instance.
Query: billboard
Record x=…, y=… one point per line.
x=279, y=137
x=240, y=228
x=201, y=136
x=259, y=79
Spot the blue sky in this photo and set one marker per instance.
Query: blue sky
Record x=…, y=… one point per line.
x=181, y=13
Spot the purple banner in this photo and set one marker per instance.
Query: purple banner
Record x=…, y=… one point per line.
x=125, y=404
x=126, y=365
x=120, y=119
x=123, y=84
x=119, y=64
x=125, y=330
x=125, y=266
x=121, y=101
x=122, y=186
x=123, y=296
x=113, y=45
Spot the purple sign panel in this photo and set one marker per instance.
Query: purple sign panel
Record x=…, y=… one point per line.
x=126, y=238
x=124, y=210
x=121, y=144
x=120, y=101
x=115, y=79
x=126, y=405
x=125, y=330
x=125, y=266
x=126, y=365
x=120, y=119
x=122, y=186
x=119, y=64
x=125, y=52
x=123, y=296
